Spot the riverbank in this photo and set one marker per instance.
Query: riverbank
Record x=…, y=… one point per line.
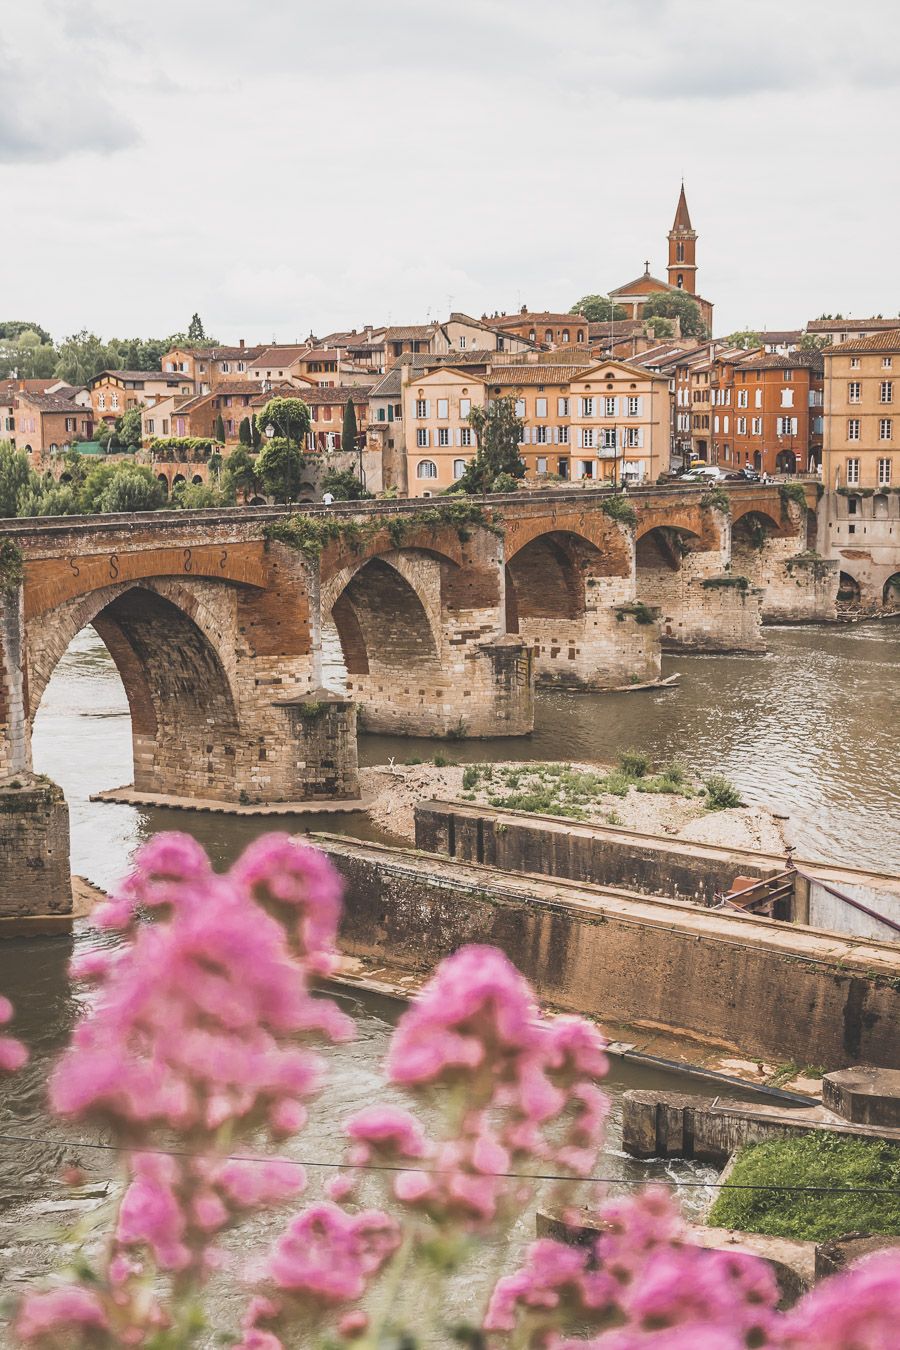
x=596, y=793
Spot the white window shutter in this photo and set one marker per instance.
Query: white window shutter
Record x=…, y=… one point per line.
x=459, y=435
x=434, y=437
x=616, y=413
x=793, y=426
x=640, y=405
x=428, y=409
x=556, y=435
x=640, y=432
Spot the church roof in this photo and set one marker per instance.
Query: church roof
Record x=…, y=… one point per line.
x=645, y=284
x=682, y=222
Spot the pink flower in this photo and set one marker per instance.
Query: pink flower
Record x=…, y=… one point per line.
x=353, y=1324
x=385, y=1131
x=60, y=1313
x=476, y=1011
x=6, y=1010
x=248, y=1185
x=13, y=1054
x=859, y=1308
x=151, y=1214
x=328, y=1255
x=301, y=886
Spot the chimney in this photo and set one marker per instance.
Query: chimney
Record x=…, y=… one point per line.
x=240, y=342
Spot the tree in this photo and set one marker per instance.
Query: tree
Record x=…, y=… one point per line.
x=348, y=431
x=811, y=342
x=746, y=338
x=84, y=355
x=498, y=433
x=344, y=485
x=132, y=487
x=599, y=309
x=196, y=333
x=240, y=475
x=12, y=329
x=197, y=497
x=128, y=428
x=245, y=435
x=103, y=434
x=677, y=305
x=16, y=477
x=660, y=327
x=288, y=416
x=56, y=499
x=279, y=467
x=219, y=432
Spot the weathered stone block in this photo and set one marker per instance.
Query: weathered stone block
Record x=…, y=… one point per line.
x=34, y=848
x=864, y=1094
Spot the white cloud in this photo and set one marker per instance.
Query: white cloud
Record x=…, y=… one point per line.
x=286, y=166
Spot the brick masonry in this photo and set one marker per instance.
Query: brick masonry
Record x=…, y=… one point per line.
x=34, y=848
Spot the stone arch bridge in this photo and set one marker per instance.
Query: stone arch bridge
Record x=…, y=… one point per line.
x=445, y=615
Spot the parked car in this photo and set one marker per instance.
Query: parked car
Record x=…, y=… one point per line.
x=710, y=473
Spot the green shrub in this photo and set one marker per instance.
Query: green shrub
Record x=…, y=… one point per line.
x=634, y=763
x=470, y=776
x=720, y=794
x=816, y=1159
x=620, y=508
x=718, y=499
x=440, y=761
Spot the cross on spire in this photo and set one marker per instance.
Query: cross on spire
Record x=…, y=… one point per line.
x=646, y=267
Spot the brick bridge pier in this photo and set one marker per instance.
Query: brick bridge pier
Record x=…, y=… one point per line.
x=444, y=617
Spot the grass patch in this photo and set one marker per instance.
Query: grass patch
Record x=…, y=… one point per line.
x=814, y=1159
x=634, y=763
x=721, y=795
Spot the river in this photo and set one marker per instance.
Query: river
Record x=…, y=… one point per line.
x=810, y=729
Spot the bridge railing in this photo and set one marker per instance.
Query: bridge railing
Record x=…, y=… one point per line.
x=230, y=515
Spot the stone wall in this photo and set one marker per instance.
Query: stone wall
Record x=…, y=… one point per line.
x=34, y=848
x=762, y=988
x=599, y=855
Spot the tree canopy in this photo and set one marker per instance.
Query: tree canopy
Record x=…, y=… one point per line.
x=15, y=477
x=279, y=466
x=599, y=309
x=128, y=428
x=344, y=485
x=349, y=430
x=677, y=305
x=239, y=473
x=747, y=338
x=498, y=432
x=290, y=418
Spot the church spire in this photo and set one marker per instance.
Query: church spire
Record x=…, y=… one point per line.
x=683, y=248
x=682, y=221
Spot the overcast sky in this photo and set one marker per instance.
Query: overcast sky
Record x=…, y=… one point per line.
x=285, y=166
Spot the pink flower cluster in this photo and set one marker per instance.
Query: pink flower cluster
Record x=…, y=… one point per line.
x=13, y=1053
x=528, y=1086
x=643, y=1287
x=198, y=1015
x=326, y=1257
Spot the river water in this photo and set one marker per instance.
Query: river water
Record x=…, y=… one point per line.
x=810, y=729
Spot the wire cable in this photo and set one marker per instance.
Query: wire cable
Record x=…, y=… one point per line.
x=431, y=1171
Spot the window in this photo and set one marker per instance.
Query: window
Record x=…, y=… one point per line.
x=742, y=426
x=443, y=407
x=540, y=435
x=757, y=426
x=587, y=407
x=165, y=426
x=757, y=398
x=562, y=407
x=743, y=398
x=887, y=391
x=853, y=429
x=226, y=368
x=531, y=335
x=548, y=335
x=886, y=362
x=787, y=398
x=542, y=464
x=565, y=339
x=421, y=437
x=787, y=374
x=587, y=468
x=633, y=437
x=426, y=468
x=587, y=438
x=465, y=407
x=786, y=426
x=540, y=407
x=608, y=441
x=564, y=435
x=151, y=426
x=610, y=406
x=520, y=407
x=101, y=400
x=465, y=435
x=854, y=363
x=854, y=389
x=725, y=424
x=380, y=416
x=679, y=252
x=421, y=407
x=443, y=436
x=241, y=366
x=459, y=465
x=462, y=347
x=884, y=472
x=70, y=424
x=885, y=429
x=114, y=401
x=634, y=406
x=852, y=470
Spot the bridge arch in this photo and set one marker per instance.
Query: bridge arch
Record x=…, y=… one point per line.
x=849, y=589
x=546, y=578
x=165, y=640
x=890, y=594
x=386, y=614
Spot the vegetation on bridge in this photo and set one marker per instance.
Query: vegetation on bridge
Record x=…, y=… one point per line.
x=792, y=493
x=718, y=499
x=727, y=582
x=310, y=534
x=856, y=1188
x=619, y=508
x=11, y=566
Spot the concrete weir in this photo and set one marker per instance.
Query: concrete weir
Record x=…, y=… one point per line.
x=776, y=991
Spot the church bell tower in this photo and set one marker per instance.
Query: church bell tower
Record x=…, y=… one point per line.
x=683, y=249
